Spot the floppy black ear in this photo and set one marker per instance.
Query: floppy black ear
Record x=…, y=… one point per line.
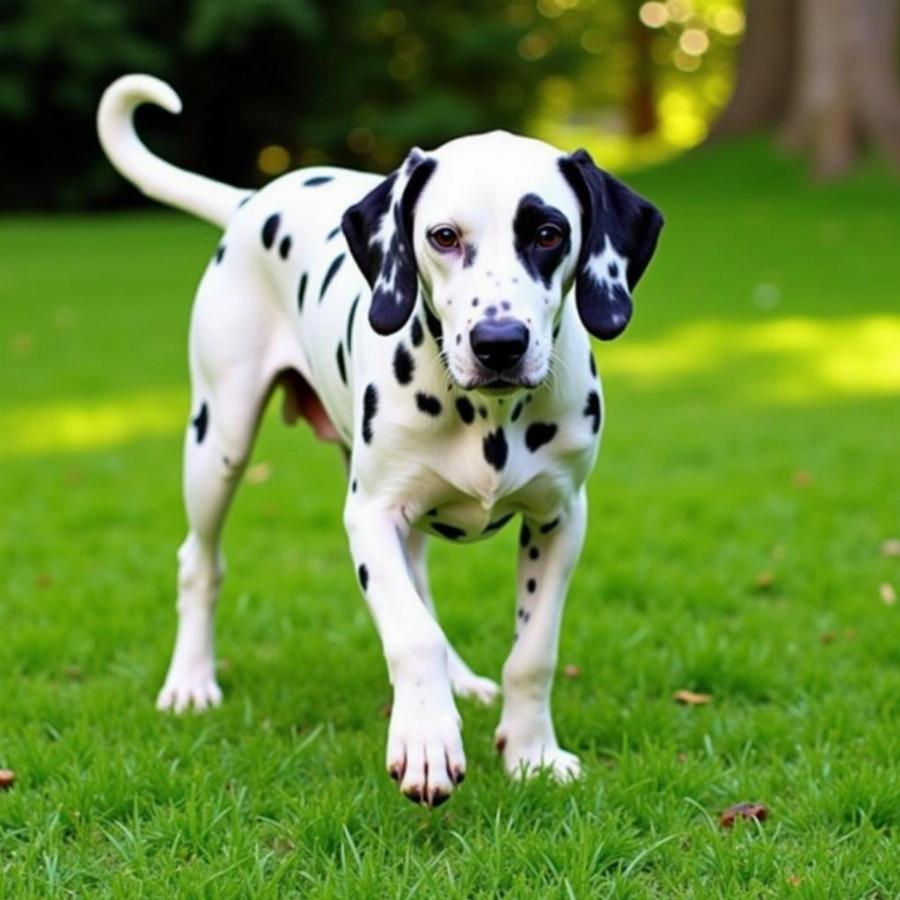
x=619, y=231
x=379, y=232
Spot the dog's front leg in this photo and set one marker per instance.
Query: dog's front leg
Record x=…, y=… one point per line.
x=424, y=751
x=547, y=555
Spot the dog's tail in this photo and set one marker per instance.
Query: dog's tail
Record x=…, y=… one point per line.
x=208, y=199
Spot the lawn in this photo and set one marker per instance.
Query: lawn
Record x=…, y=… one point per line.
x=746, y=487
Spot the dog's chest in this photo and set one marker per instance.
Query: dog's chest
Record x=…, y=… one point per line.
x=464, y=480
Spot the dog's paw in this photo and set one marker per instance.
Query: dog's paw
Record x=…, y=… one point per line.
x=527, y=756
x=188, y=689
x=425, y=753
x=467, y=684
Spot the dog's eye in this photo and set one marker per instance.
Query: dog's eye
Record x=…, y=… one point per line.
x=444, y=238
x=548, y=237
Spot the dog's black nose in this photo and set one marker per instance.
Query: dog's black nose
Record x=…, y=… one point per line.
x=499, y=343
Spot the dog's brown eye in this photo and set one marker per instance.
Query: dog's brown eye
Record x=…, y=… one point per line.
x=444, y=238
x=548, y=237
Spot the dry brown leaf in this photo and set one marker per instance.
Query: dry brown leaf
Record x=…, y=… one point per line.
x=891, y=547
x=571, y=671
x=764, y=580
x=802, y=478
x=888, y=594
x=827, y=637
x=690, y=698
x=7, y=779
x=794, y=880
x=746, y=811
x=259, y=473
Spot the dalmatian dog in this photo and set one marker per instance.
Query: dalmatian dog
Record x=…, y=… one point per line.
x=435, y=324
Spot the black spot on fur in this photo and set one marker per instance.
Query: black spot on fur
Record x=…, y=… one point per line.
x=496, y=449
x=539, y=262
x=370, y=407
x=333, y=233
x=556, y=329
x=524, y=536
x=428, y=404
x=284, y=248
x=434, y=326
x=270, y=229
x=342, y=369
x=316, y=180
x=468, y=255
x=613, y=270
x=482, y=411
x=363, y=573
x=496, y=526
x=404, y=366
x=534, y=553
x=592, y=410
x=350, y=324
x=245, y=199
x=353, y=486
x=301, y=292
x=465, y=409
x=448, y=531
x=332, y=271
x=592, y=364
x=201, y=422
x=416, y=333
x=538, y=434
x=517, y=411
x=432, y=512
x=220, y=253
x=531, y=585
x=547, y=527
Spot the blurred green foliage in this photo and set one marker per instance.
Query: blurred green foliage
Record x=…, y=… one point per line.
x=354, y=82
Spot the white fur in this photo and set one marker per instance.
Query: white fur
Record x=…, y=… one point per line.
x=246, y=329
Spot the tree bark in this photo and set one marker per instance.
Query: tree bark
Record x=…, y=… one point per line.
x=823, y=74
x=765, y=69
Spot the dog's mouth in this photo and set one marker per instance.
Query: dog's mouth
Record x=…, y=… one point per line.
x=499, y=387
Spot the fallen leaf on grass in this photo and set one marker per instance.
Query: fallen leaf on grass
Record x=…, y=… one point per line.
x=888, y=594
x=802, y=478
x=764, y=581
x=891, y=547
x=747, y=811
x=7, y=779
x=690, y=698
x=259, y=473
x=794, y=880
x=385, y=711
x=571, y=671
x=827, y=637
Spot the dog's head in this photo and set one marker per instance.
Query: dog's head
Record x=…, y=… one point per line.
x=497, y=229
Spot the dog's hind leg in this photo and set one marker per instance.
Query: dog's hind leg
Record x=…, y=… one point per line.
x=217, y=445
x=464, y=681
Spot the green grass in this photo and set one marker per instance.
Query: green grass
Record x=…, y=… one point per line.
x=742, y=438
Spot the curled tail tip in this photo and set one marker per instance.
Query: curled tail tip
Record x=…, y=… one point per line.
x=131, y=91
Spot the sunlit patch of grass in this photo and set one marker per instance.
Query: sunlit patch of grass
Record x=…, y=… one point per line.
x=73, y=425
x=783, y=360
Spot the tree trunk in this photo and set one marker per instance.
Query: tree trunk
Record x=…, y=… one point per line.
x=642, y=100
x=823, y=73
x=765, y=69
